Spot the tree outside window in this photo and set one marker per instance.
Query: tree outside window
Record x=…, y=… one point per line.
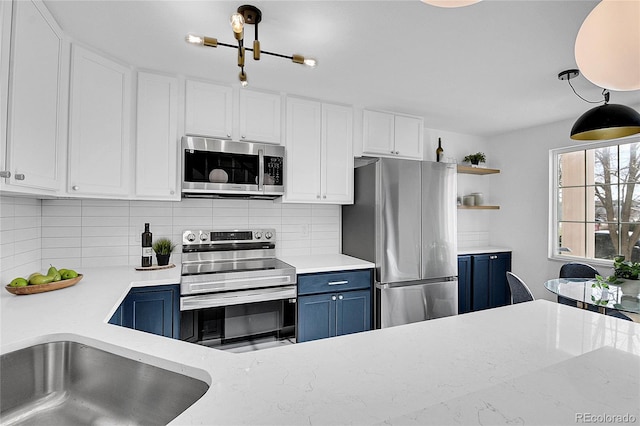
x=598, y=202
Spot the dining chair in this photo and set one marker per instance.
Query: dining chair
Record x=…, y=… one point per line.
x=577, y=270
x=519, y=290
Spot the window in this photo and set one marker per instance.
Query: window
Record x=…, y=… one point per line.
x=596, y=201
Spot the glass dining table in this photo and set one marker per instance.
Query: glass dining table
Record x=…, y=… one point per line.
x=623, y=296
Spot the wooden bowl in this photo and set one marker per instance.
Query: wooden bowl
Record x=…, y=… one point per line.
x=41, y=288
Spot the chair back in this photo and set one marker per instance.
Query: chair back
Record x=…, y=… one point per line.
x=578, y=270
x=519, y=290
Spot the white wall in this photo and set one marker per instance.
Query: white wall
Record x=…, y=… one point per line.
x=522, y=190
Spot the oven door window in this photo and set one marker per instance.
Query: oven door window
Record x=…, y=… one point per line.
x=217, y=167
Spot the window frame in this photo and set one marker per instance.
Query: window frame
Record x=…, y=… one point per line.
x=553, y=197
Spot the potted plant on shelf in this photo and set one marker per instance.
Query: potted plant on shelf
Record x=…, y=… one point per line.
x=163, y=248
x=476, y=158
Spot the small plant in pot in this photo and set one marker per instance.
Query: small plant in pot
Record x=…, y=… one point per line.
x=626, y=269
x=163, y=248
x=476, y=158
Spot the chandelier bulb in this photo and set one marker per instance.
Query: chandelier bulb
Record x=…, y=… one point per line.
x=237, y=24
x=243, y=78
x=299, y=59
x=194, y=39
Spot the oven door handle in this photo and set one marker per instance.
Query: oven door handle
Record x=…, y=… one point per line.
x=229, y=298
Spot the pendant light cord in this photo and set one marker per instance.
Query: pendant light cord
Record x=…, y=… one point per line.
x=604, y=93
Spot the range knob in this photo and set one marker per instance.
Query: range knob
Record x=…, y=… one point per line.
x=204, y=237
x=191, y=237
x=257, y=235
x=268, y=235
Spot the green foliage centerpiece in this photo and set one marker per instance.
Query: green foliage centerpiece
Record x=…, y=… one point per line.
x=163, y=248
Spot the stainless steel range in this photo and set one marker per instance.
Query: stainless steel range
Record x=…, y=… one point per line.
x=234, y=292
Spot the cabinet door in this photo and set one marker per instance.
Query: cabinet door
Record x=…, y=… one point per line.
x=36, y=99
x=99, y=143
x=378, y=133
x=154, y=310
x=353, y=312
x=481, y=281
x=157, y=137
x=260, y=116
x=337, y=154
x=408, y=133
x=464, y=284
x=316, y=317
x=208, y=110
x=303, y=150
x=499, y=294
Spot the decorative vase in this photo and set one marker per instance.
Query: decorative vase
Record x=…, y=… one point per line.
x=163, y=259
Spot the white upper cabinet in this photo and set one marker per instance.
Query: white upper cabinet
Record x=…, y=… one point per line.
x=208, y=110
x=319, y=156
x=157, y=138
x=337, y=154
x=392, y=135
x=260, y=118
x=37, y=99
x=99, y=137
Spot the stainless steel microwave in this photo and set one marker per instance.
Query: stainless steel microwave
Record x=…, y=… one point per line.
x=223, y=168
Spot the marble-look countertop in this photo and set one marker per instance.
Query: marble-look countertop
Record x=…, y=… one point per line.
x=325, y=263
x=534, y=363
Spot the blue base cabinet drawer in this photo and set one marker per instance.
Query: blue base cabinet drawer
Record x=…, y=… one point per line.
x=154, y=310
x=325, y=282
x=333, y=304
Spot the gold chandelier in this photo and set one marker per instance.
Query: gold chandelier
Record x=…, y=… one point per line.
x=251, y=15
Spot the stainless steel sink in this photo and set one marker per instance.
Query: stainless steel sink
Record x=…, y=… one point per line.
x=69, y=383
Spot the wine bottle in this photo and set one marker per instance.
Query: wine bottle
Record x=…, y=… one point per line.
x=147, y=251
x=439, y=151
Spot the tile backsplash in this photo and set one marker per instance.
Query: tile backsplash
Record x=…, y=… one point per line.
x=76, y=233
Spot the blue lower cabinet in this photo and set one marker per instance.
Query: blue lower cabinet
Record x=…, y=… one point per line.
x=151, y=309
x=482, y=281
x=464, y=284
x=343, y=305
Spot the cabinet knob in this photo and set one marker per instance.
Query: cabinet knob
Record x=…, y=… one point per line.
x=318, y=196
x=340, y=297
x=75, y=187
x=229, y=135
x=397, y=152
x=243, y=137
x=172, y=192
x=333, y=298
x=392, y=152
x=19, y=176
x=5, y=174
x=324, y=196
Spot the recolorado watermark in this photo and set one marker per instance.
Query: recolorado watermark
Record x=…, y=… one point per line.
x=605, y=418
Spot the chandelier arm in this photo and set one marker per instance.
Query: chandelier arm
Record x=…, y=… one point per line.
x=266, y=52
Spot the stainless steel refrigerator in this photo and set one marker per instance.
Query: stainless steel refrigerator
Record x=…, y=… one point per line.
x=404, y=220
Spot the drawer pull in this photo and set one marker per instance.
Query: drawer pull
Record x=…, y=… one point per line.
x=338, y=282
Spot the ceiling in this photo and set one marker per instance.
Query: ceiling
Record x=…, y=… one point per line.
x=484, y=69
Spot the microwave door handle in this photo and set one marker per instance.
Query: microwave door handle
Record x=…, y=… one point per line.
x=261, y=170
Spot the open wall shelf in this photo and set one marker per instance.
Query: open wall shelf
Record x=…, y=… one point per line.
x=476, y=170
x=463, y=207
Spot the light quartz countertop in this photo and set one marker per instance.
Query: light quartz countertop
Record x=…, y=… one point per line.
x=531, y=363
x=482, y=250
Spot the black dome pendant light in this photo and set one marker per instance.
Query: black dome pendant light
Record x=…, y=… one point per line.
x=604, y=122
